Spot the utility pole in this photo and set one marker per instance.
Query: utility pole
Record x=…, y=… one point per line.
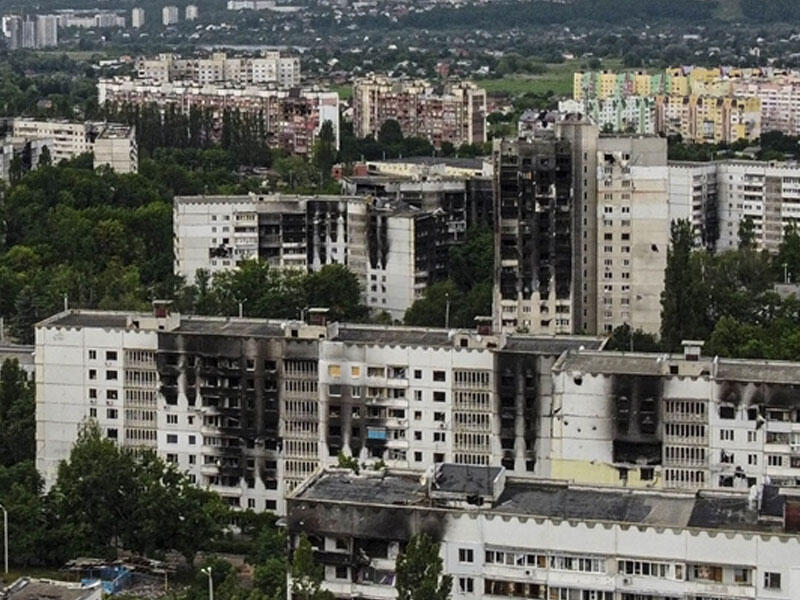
x=785, y=273
x=5, y=537
x=447, y=310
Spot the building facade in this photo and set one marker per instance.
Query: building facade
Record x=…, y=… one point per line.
x=137, y=18
x=454, y=112
x=633, y=220
x=170, y=15
x=253, y=407
x=501, y=537
x=292, y=118
x=270, y=67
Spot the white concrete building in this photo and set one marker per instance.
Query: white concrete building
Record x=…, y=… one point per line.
x=723, y=194
x=112, y=143
x=633, y=232
x=253, y=407
x=192, y=12
x=137, y=18
x=270, y=67
x=501, y=537
x=169, y=15
x=46, y=31
x=115, y=146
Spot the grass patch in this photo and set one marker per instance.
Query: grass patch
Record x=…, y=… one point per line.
x=557, y=79
x=345, y=91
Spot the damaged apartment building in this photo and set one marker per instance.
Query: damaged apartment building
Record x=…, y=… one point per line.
x=581, y=225
x=501, y=536
x=253, y=407
x=395, y=248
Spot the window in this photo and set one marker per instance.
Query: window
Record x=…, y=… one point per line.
x=92, y=374
x=111, y=355
x=439, y=436
x=775, y=460
x=726, y=435
x=418, y=395
x=438, y=375
x=93, y=413
x=752, y=436
x=341, y=572
x=772, y=581
x=727, y=412
x=172, y=458
x=111, y=413
x=466, y=585
x=334, y=371
x=355, y=391
x=752, y=459
x=92, y=393
x=417, y=373
x=418, y=436
x=112, y=434
x=192, y=459
x=438, y=416
x=172, y=419
x=192, y=440
x=355, y=371
x=111, y=375
x=465, y=555
x=92, y=354
x=418, y=456
x=418, y=415
x=172, y=438
x=439, y=396
x=251, y=503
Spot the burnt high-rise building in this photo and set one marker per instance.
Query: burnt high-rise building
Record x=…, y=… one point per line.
x=534, y=207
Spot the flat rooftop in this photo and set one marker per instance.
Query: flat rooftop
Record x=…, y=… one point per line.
x=656, y=364
x=43, y=589
x=459, y=163
x=548, y=499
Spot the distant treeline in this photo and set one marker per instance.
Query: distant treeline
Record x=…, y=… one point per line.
x=508, y=15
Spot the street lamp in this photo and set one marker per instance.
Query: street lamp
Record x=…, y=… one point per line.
x=207, y=571
x=5, y=536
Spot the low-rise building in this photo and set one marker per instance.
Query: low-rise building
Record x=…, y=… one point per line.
x=26, y=588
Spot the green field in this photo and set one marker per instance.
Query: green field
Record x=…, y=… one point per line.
x=345, y=91
x=557, y=79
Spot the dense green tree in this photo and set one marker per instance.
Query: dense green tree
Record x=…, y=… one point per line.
x=390, y=133
x=624, y=339
x=336, y=287
x=419, y=571
x=679, y=311
x=17, y=415
x=325, y=151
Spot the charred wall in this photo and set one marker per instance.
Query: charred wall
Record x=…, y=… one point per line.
x=637, y=429
x=517, y=407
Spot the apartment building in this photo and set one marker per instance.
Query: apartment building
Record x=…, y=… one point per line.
x=502, y=537
x=673, y=421
x=454, y=112
x=137, y=17
x=534, y=205
x=395, y=249
x=270, y=67
x=46, y=31
x=633, y=219
x=723, y=194
x=215, y=233
x=292, y=118
x=192, y=12
x=170, y=15
x=624, y=114
x=37, y=31
x=693, y=197
x=115, y=147
x=253, y=407
x=114, y=144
